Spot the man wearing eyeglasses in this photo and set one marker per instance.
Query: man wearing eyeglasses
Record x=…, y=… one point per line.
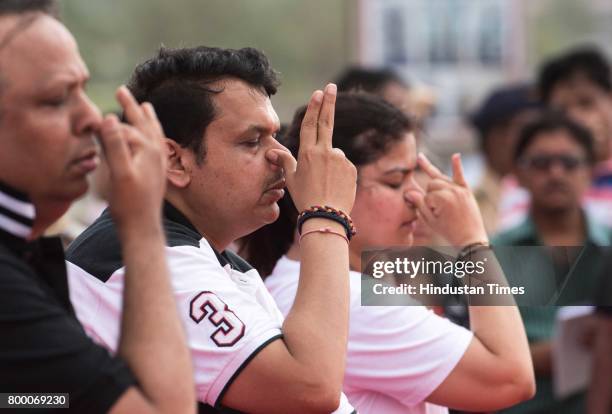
x=553, y=160
x=579, y=83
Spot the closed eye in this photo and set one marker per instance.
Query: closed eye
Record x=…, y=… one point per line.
x=252, y=143
x=56, y=101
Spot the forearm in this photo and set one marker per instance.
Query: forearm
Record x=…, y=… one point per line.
x=316, y=328
x=152, y=340
x=500, y=329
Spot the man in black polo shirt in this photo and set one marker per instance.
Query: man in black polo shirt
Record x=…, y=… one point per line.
x=47, y=125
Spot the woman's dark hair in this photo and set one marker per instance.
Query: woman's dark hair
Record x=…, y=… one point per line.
x=365, y=128
x=370, y=80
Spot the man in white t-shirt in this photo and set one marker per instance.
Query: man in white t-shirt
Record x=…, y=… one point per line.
x=226, y=171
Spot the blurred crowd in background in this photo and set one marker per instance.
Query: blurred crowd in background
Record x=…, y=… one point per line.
x=522, y=89
x=446, y=56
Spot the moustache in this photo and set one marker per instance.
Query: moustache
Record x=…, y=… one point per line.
x=275, y=182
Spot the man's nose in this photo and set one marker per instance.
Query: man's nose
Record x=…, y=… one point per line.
x=89, y=117
x=274, y=162
x=412, y=185
x=557, y=169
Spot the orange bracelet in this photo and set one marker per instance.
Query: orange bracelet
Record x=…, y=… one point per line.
x=324, y=230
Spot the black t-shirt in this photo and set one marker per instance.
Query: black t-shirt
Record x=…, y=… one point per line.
x=605, y=290
x=43, y=348
x=605, y=310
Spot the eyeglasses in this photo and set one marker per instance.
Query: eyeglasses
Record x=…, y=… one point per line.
x=545, y=162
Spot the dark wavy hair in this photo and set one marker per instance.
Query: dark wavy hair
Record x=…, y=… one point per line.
x=587, y=61
x=365, y=128
x=179, y=85
x=49, y=7
x=551, y=121
x=371, y=80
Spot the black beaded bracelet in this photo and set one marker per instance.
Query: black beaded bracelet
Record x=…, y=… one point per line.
x=471, y=249
x=327, y=213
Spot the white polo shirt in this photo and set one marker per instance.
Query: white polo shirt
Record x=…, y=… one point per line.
x=227, y=312
x=397, y=355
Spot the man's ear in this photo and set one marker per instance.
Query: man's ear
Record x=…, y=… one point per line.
x=178, y=170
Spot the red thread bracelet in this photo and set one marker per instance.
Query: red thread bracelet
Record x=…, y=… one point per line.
x=323, y=230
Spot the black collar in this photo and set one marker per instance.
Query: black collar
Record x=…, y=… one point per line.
x=45, y=255
x=174, y=214
x=17, y=213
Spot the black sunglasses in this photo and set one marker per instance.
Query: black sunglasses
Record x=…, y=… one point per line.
x=545, y=162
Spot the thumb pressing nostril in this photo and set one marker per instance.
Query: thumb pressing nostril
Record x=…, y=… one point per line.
x=272, y=156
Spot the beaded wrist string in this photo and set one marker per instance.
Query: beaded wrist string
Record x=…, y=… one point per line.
x=329, y=213
x=323, y=230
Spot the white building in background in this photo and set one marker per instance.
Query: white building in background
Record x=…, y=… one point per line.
x=463, y=48
x=459, y=48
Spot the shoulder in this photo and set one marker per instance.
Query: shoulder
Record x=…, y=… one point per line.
x=521, y=234
x=598, y=233
x=97, y=250
x=235, y=261
x=21, y=286
x=11, y=265
x=178, y=234
x=22, y=292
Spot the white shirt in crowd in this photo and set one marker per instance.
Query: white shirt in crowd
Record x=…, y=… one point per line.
x=397, y=355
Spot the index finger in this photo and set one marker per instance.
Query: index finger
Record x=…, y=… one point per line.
x=418, y=199
x=458, y=175
x=114, y=145
x=133, y=111
x=308, y=130
x=431, y=170
x=156, y=130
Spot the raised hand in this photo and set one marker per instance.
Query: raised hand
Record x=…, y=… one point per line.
x=448, y=206
x=322, y=175
x=136, y=161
